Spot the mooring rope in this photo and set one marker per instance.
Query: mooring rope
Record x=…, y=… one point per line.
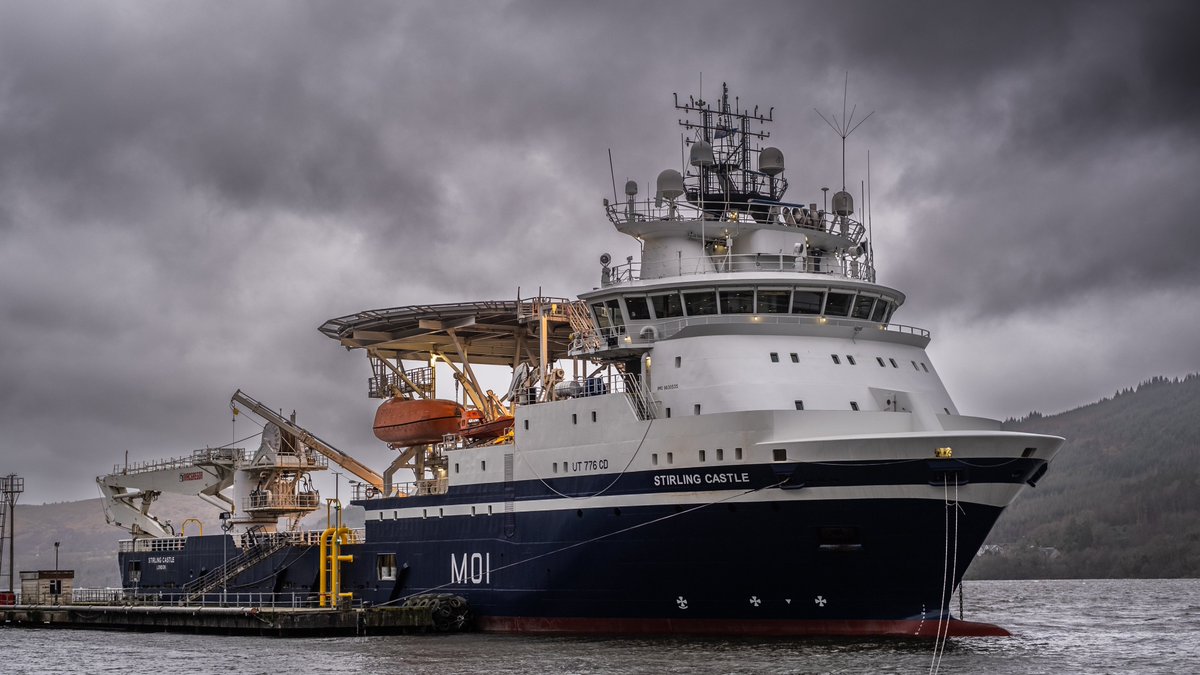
x=949, y=568
x=606, y=487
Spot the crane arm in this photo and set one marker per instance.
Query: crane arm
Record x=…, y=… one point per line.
x=308, y=438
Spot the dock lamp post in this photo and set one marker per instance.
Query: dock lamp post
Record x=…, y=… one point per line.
x=56, y=556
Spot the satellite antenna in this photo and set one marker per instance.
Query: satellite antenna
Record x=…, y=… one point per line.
x=842, y=126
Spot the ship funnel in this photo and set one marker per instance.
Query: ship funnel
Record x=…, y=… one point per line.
x=843, y=203
x=702, y=154
x=770, y=161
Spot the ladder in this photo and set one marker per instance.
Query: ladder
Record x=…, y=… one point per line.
x=581, y=322
x=199, y=587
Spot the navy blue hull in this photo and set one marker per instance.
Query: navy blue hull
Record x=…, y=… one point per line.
x=777, y=560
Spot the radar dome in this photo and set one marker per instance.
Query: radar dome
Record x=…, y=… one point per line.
x=670, y=184
x=843, y=203
x=630, y=188
x=702, y=154
x=770, y=161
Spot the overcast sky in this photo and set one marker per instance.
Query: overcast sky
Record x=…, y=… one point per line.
x=188, y=189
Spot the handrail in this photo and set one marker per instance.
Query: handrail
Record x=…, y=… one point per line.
x=831, y=264
x=787, y=214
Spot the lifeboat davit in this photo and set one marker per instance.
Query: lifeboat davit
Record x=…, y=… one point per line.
x=487, y=430
x=415, y=422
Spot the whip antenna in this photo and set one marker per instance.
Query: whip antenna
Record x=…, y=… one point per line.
x=842, y=127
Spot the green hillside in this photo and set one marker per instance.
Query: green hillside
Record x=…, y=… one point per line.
x=1122, y=498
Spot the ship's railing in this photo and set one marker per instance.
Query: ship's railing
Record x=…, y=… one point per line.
x=244, y=540
x=788, y=214
x=832, y=264
x=201, y=456
x=150, y=545
x=419, y=488
x=136, y=597
x=268, y=500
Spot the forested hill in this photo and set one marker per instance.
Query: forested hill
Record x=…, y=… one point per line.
x=1122, y=498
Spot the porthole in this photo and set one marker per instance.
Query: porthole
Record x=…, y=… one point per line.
x=854, y=405
x=836, y=361
x=720, y=454
x=696, y=408
x=678, y=361
x=701, y=455
x=850, y=360
x=881, y=363
x=893, y=362
x=654, y=459
x=774, y=357
x=795, y=357
x=737, y=453
x=799, y=404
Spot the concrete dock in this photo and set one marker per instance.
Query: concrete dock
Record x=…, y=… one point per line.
x=413, y=617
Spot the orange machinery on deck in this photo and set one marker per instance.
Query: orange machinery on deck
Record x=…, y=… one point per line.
x=415, y=422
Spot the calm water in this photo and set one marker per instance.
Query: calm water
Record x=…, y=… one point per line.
x=1145, y=626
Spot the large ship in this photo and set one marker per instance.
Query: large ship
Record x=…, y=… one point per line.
x=730, y=435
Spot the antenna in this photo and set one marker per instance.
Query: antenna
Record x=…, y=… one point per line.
x=613, y=174
x=842, y=127
x=870, y=234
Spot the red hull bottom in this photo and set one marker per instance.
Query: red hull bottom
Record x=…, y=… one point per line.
x=841, y=628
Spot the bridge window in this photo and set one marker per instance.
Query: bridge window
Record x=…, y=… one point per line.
x=881, y=363
x=737, y=453
x=701, y=455
x=838, y=304
x=737, y=302
x=880, y=310
x=614, y=312
x=697, y=408
x=638, y=307
x=795, y=357
x=893, y=362
x=854, y=405
x=923, y=367
x=836, y=360
x=720, y=454
x=799, y=405
x=807, y=302
x=678, y=361
x=772, y=301
x=774, y=357
x=601, y=313
x=667, y=305
x=862, y=307
x=850, y=360
x=700, y=303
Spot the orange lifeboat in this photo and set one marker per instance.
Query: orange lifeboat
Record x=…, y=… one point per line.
x=488, y=430
x=414, y=422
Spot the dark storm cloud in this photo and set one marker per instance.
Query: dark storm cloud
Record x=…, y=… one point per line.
x=188, y=190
